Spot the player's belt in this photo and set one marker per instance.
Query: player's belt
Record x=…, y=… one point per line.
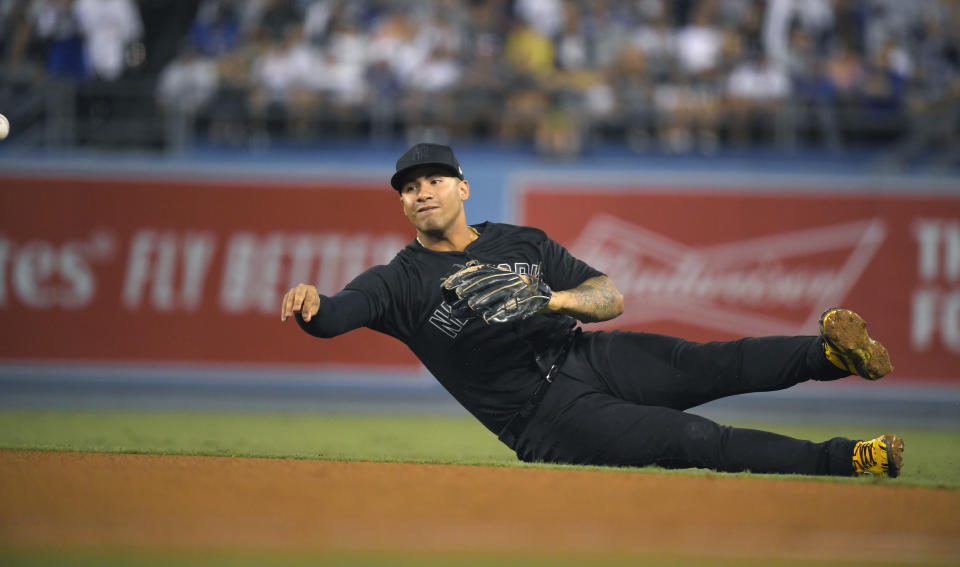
x=516, y=425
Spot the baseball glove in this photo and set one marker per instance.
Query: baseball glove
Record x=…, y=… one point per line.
x=494, y=294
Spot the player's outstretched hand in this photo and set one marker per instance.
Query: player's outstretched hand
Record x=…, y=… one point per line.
x=303, y=299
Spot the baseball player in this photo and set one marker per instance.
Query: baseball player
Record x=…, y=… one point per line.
x=492, y=309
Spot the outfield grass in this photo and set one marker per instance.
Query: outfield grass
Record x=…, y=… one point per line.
x=932, y=457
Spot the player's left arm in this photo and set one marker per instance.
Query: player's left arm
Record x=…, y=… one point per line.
x=596, y=299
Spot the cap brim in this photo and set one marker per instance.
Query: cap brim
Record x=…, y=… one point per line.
x=399, y=177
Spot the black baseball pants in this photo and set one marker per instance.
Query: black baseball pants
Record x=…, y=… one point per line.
x=619, y=400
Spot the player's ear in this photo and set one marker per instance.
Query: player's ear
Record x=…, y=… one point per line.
x=464, y=189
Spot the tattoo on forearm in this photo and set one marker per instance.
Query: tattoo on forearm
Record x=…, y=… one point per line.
x=597, y=300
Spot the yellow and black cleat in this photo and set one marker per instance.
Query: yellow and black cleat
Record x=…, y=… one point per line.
x=878, y=457
x=847, y=345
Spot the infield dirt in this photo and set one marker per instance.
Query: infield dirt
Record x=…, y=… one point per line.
x=117, y=501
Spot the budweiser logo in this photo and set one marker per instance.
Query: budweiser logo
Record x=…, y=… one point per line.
x=777, y=284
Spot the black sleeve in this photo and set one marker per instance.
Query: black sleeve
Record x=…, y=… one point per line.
x=384, y=289
x=562, y=270
x=345, y=311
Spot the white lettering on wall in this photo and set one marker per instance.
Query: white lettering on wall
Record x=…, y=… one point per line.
x=260, y=268
x=43, y=274
x=935, y=309
x=167, y=269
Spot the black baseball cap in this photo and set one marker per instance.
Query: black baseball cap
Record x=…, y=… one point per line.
x=425, y=154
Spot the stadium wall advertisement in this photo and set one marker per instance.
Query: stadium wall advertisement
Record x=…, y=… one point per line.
x=190, y=271
x=723, y=265
x=181, y=271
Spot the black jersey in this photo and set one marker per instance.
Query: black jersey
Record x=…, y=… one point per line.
x=490, y=369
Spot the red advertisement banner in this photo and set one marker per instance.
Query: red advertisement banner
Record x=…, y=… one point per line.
x=717, y=266
x=186, y=271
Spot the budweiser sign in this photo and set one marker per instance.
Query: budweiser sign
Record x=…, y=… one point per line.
x=771, y=285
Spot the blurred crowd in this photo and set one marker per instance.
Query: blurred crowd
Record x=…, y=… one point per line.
x=683, y=75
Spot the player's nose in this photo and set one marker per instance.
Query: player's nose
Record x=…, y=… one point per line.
x=424, y=191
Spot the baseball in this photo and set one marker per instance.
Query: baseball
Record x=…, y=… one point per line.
x=4, y=126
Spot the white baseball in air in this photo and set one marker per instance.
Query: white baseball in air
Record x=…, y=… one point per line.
x=4, y=126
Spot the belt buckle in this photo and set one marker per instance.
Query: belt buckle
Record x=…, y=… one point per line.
x=552, y=371
x=562, y=356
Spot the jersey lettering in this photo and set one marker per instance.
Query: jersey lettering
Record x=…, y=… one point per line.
x=522, y=268
x=449, y=325
x=446, y=322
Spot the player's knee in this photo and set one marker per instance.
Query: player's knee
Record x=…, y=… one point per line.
x=700, y=432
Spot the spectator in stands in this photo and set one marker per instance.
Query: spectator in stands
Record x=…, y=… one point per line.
x=688, y=102
x=343, y=80
x=276, y=17
x=349, y=43
x=443, y=28
x=757, y=90
x=429, y=102
x=558, y=131
x=608, y=26
x=395, y=43
x=572, y=48
x=885, y=84
x=845, y=74
x=800, y=61
x=656, y=39
x=283, y=91
x=487, y=29
x=809, y=107
x=531, y=58
x=699, y=42
x=530, y=70
x=343, y=75
x=795, y=37
x=229, y=117
x=934, y=104
x=849, y=24
x=318, y=17
x=216, y=29
x=11, y=13
x=530, y=52
x=544, y=16
x=109, y=27
x=56, y=27
x=479, y=93
x=188, y=83
x=813, y=19
x=632, y=84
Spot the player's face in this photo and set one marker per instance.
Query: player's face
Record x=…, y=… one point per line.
x=433, y=199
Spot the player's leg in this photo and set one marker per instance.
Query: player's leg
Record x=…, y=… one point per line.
x=578, y=425
x=672, y=372
x=667, y=371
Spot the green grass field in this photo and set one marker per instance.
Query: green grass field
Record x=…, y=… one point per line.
x=931, y=456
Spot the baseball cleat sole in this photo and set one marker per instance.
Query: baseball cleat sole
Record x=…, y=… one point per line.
x=847, y=345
